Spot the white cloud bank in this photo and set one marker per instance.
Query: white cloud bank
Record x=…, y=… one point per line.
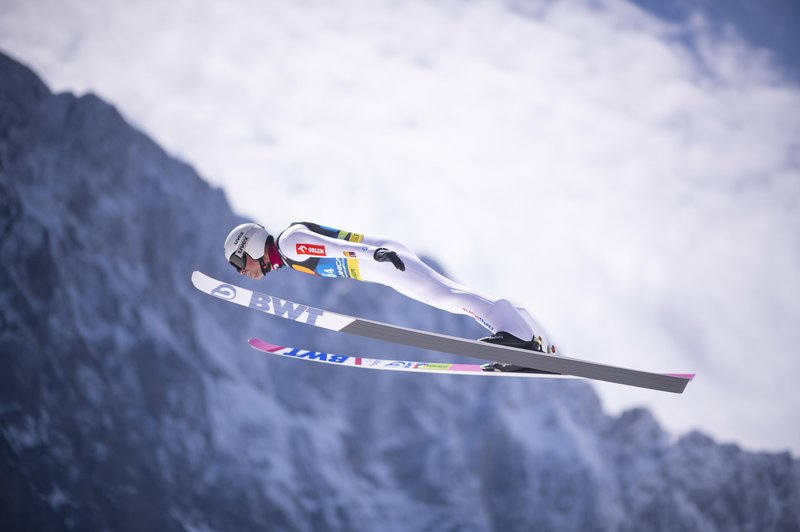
x=639, y=197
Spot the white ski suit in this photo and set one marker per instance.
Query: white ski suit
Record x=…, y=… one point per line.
x=328, y=252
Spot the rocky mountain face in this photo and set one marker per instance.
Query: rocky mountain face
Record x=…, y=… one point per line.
x=130, y=401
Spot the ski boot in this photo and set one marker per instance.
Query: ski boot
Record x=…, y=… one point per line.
x=507, y=339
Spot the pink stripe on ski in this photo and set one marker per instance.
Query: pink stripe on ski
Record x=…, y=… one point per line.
x=464, y=367
x=258, y=343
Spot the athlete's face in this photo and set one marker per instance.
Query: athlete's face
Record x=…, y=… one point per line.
x=252, y=268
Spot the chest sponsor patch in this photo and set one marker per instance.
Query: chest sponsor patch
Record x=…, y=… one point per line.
x=310, y=249
x=345, y=268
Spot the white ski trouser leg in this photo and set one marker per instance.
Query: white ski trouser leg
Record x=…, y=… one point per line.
x=424, y=284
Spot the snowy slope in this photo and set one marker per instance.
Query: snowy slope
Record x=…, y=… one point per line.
x=129, y=401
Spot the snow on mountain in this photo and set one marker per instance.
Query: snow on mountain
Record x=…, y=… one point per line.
x=130, y=401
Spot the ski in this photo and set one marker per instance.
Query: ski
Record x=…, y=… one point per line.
x=675, y=383
x=391, y=365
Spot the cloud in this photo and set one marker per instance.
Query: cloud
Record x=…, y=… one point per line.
x=633, y=182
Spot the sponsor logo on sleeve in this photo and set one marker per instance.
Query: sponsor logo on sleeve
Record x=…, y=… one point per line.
x=310, y=249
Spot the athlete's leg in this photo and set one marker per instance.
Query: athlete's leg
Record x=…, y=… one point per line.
x=422, y=283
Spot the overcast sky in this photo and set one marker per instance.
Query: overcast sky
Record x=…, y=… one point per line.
x=638, y=196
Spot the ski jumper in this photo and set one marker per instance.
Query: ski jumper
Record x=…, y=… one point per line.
x=328, y=252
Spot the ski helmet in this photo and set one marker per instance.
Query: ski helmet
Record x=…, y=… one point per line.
x=247, y=238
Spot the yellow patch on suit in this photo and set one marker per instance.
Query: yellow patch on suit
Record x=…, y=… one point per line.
x=303, y=269
x=353, y=269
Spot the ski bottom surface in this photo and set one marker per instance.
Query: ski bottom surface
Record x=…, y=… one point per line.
x=393, y=365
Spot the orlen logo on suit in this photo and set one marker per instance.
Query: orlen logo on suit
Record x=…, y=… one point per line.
x=310, y=249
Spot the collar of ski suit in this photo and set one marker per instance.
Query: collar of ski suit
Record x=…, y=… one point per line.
x=273, y=255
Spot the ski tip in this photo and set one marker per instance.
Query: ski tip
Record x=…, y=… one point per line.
x=261, y=345
x=687, y=376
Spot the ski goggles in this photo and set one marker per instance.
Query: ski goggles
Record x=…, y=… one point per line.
x=238, y=262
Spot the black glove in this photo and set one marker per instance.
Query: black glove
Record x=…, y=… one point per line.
x=384, y=255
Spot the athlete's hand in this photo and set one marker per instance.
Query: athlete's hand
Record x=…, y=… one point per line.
x=384, y=255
